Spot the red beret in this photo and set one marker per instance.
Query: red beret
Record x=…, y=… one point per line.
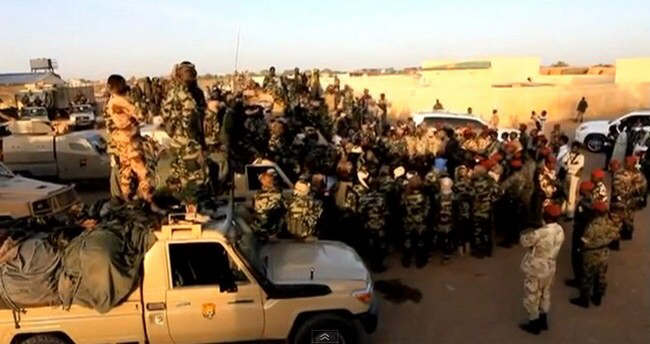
x=545, y=151
x=598, y=174
x=600, y=207
x=510, y=147
x=516, y=163
x=550, y=161
x=614, y=165
x=468, y=132
x=553, y=210
x=488, y=164
x=523, y=126
x=586, y=187
x=630, y=161
x=542, y=139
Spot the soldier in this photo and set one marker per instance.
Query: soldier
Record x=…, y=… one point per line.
x=125, y=137
x=463, y=192
x=572, y=164
x=539, y=265
x=268, y=207
x=182, y=112
x=598, y=234
x=545, y=188
x=618, y=202
x=415, y=209
x=303, y=213
x=517, y=189
x=444, y=216
x=583, y=216
x=634, y=196
x=374, y=211
x=600, y=190
x=485, y=191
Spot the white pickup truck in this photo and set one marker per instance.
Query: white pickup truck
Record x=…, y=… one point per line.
x=214, y=283
x=34, y=149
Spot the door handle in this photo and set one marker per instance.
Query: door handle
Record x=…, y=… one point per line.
x=236, y=302
x=183, y=304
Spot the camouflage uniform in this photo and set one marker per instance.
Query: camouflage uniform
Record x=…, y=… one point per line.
x=127, y=144
x=583, y=216
x=516, y=189
x=374, y=211
x=539, y=265
x=597, y=236
x=182, y=119
x=415, y=207
x=599, y=194
x=633, y=197
x=463, y=192
x=485, y=191
x=303, y=214
x=444, y=215
x=269, y=210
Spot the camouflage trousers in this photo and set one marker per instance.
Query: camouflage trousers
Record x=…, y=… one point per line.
x=625, y=217
x=188, y=172
x=132, y=162
x=377, y=245
x=537, y=294
x=415, y=239
x=443, y=239
x=594, y=271
x=482, y=235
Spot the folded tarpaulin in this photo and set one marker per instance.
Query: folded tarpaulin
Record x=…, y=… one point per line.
x=103, y=266
x=29, y=273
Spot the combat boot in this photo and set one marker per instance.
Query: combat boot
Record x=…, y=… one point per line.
x=543, y=322
x=406, y=259
x=572, y=282
x=597, y=299
x=615, y=245
x=421, y=259
x=582, y=301
x=531, y=327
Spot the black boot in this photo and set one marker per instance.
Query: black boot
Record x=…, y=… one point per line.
x=615, y=245
x=531, y=327
x=596, y=299
x=543, y=321
x=421, y=259
x=582, y=301
x=626, y=233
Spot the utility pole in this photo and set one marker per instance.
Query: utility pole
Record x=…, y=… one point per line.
x=237, y=51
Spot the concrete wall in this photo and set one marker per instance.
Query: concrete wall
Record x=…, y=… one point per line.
x=632, y=70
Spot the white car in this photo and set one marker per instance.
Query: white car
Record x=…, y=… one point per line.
x=593, y=133
x=82, y=116
x=455, y=121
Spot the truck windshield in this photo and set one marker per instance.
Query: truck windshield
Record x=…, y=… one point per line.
x=247, y=245
x=5, y=172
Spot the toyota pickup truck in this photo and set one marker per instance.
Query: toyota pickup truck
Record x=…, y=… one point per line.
x=215, y=283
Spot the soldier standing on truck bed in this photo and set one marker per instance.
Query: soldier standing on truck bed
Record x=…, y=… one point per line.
x=126, y=140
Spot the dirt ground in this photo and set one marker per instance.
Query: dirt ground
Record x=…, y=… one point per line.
x=479, y=301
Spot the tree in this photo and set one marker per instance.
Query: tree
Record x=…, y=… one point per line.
x=560, y=64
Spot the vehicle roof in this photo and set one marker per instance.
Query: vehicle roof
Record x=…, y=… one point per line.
x=183, y=230
x=449, y=115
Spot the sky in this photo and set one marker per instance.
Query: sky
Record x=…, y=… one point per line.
x=93, y=39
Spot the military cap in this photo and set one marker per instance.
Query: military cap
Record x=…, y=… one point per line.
x=630, y=161
x=586, y=187
x=614, y=165
x=550, y=161
x=488, y=163
x=598, y=174
x=553, y=210
x=516, y=163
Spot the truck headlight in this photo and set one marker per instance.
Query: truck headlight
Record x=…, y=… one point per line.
x=41, y=207
x=366, y=294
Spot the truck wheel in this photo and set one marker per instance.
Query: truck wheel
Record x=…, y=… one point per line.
x=43, y=339
x=595, y=142
x=326, y=325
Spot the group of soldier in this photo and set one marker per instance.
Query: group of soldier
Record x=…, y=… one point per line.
x=407, y=187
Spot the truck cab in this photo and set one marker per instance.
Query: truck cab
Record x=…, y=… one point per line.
x=215, y=283
x=82, y=116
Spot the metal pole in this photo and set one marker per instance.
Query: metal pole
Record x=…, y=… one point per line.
x=237, y=51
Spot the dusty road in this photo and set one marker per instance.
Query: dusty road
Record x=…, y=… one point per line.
x=479, y=301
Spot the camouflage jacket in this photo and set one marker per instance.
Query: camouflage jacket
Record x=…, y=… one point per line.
x=182, y=116
x=600, y=231
x=373, y=209
x=211, y=129
x=302, y=216
x=269, y=209
x=517, y=186
x=463, y=191
x=620, y=186
x=547, y=181
x=485, y=191
x=543, y=246
x=122, y=119
x=444, y=212
x=415, y=209
x=599, y=194
x=352, y=196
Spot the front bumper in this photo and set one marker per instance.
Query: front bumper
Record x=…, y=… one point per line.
x=580, y=135
x=370, y=318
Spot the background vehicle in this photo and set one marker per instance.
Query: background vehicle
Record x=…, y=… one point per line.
x=593, y=133
x=455, y=121
x=34, y=149
x=215, y=283
x=56, y=99
x=37, y=113
x=82, y=116
x=23, y=197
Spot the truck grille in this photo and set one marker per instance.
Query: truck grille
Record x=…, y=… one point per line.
x=65, y=199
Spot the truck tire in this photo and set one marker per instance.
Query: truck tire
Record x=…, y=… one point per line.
x=330, y=324
x=43, y=339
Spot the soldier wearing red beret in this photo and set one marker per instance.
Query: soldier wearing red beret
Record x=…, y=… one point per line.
x=583, y=215
x=600, y=190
